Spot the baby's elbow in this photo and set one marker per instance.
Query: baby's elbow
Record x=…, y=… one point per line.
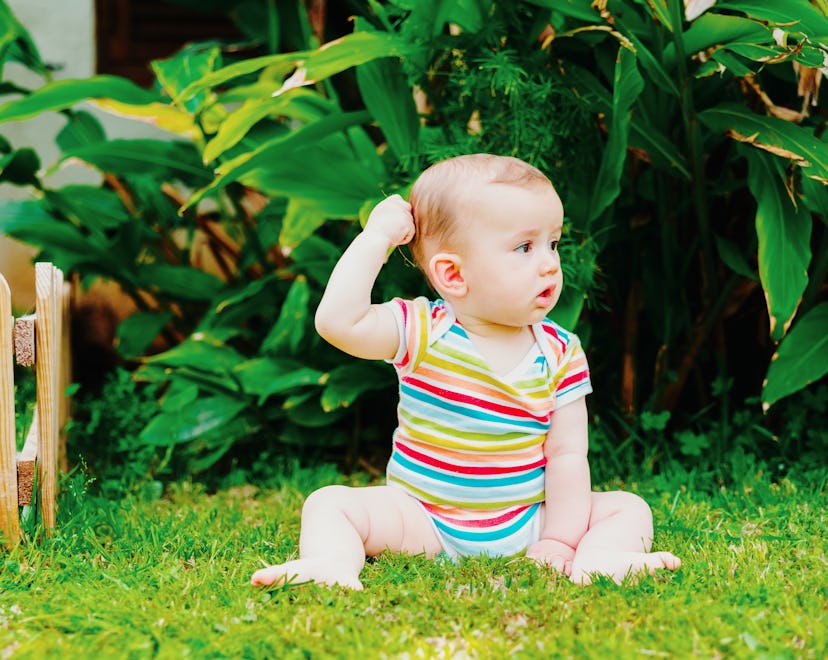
x=324, y=325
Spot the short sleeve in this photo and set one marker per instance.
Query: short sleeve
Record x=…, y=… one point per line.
x=568, y=366
x=414, y=323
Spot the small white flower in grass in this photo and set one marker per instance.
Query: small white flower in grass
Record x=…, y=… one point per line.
x=695, y=8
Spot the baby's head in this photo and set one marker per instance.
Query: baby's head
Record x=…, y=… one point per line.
x=440, y=197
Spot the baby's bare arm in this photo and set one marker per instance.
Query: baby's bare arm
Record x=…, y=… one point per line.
x=346, y=317
x=568, y=487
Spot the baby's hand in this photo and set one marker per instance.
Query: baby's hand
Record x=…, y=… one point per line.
x=552, y=553
x=392, y=219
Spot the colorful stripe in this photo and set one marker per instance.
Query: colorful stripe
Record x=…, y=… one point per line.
x=469, y=444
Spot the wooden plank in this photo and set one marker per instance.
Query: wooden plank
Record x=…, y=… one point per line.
x=9, y=518
x=65, y=411
x=26, y=464
x=24, y=341
x=48, y=310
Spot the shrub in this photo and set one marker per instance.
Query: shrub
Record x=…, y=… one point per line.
x=689, y=194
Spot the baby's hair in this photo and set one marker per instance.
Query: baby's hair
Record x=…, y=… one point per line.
x=438, y=194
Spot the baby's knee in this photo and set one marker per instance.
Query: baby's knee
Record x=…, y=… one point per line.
x=325, y=498
x=622, y=501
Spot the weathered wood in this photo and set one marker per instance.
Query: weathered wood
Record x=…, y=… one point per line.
x=24, y=340
x=65, y=411
x=26, y=464
x=48, y=310
x=9, y=517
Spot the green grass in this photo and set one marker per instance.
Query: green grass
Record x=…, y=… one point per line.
x=168, y=579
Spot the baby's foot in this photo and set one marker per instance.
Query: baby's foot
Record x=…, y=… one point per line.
x=619, y=565
x=320, y=570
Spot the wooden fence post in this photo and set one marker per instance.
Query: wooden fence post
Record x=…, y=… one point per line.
x=48, y=316
x=9, y=518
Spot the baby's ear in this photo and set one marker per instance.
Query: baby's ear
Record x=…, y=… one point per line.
x=446, y=275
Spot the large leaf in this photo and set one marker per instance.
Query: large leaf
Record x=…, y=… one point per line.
x=188, y=65
x=96, y=209
x=291, y=324
x=16, y=44
x=348, y=381
x=180, y=282
x=203, y=352
x=784, y=233
x=643, y=135
x=63, y=94
x=190, y=422
x=777, y=136
x=81, y=129
x=802, y=357
x=66, y=245
x=166, y=160
x=384, y=88
x=298, y=104
x=280, y=167
x=264, y=377
x=627, y=86
x=20, y=168
x=574, y=8
x=137, y=332
x=799, y=15
x=343, y=53
x=303, y=217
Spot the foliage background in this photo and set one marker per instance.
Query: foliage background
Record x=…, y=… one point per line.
x=690, y=155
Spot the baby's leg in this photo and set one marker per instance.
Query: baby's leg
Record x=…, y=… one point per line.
x=341, y=525
x=618, y=540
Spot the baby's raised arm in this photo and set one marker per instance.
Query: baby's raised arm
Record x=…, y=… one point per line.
x=346, y=318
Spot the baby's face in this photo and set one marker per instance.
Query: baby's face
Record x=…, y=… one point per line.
x=509, y=255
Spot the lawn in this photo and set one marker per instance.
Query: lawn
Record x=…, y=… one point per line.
x=167, y=578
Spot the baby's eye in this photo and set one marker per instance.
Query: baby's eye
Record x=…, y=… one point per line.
x=553, y=246
x=523, y=248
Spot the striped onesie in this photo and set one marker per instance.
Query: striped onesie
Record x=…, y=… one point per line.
x=469, y=445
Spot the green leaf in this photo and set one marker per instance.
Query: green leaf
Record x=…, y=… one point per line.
x=63, y=94
x=96, y=209
x=279, y=167
x=343, y=53
x=661, y=150
x=81, y=129
x=137, y=332
x=574, y=8
x=384, y=88
x=302, y=218
x=784, y=233
x=733, y=258
x=183, y=282
x=804, y=16
x=16, y=44
x=188, y=65
x=202, y=416
x=67, y=246
x=777, y=136
x=164, y=159
x=20, y=168
x=802, y=357
x=264, y=377
x=711, y=29
x=201, y=352
x=290, y=327
x=660, y=11
x=237, y=69
x=348, y=381
x=627, y=86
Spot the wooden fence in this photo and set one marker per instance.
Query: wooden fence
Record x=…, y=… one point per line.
x=42, y=340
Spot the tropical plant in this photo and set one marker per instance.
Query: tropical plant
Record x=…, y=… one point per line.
x=659, y=131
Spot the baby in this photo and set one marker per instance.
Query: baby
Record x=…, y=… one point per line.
x=490, y=454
